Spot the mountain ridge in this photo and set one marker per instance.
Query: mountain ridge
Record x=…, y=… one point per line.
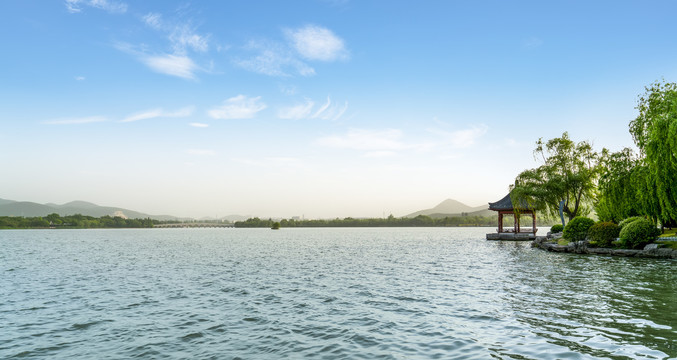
x=451, y=207
x=33, y=209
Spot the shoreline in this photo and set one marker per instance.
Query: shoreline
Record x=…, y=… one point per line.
x=581, y=247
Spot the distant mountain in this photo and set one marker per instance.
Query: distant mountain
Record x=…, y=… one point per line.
x=3, y=201
x=452, y=207
x=31, y=209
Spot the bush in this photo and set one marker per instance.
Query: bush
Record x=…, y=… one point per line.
x=638, y=233
x=622, y=224
x=557, y=228
x=577, y=228
x=603, y=233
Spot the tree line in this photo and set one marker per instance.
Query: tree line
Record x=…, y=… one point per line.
x=76, y=221
x=390, y=221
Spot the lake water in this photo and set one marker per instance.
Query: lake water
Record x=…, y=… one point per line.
x=406, y=293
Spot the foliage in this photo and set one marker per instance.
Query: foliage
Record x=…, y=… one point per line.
x=569, y=172
x=627, y=221
x=638, y=233
x=390, y=221
x=655, y=134
x=557, y=228
x=76, y=221
x=619, y=184
x=276, y=226
x=577, y=228
x=668, y=244
x=603, y=233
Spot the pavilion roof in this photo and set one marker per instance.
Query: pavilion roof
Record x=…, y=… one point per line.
x=506, y=204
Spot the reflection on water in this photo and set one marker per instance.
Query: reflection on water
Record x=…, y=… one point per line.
x=326, y=293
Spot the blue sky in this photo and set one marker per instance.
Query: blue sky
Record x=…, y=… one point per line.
x=315, y=108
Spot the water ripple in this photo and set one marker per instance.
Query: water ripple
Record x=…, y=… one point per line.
x=325, y=293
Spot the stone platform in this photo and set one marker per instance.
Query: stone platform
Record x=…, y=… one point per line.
x=512, y=236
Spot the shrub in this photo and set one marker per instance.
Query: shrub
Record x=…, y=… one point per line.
x=557, y=228
x=622, y=224
x=603, y=233
x=638, y=233
x=577, y=228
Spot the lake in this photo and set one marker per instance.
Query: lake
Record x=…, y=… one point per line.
x=387, y=293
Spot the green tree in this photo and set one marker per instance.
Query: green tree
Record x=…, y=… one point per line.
x=619, y=183
x=655, y=134
x=569, y=173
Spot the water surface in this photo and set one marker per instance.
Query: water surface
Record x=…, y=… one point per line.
x=406, y=293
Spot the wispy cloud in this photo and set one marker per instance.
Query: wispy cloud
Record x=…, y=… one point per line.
x=273, y=59
x=113, y=7
x=76, y=121
x=238, y=107
x=296, y=112
x=306, y=110
x=311, y=43
x=80, y=78
x=461, y=138
x=199, y=125
x=169, y=64
x=181, y=35
x=153, y=20
x=317, y=43
x=159, y=113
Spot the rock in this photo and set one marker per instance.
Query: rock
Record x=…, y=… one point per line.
x=624, y=252
x=651, y=247
x=601, y=251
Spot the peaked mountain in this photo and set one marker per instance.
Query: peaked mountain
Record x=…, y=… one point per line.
x=31, y=209
x=452, y=207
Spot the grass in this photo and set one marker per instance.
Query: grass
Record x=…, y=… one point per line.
x=668, y=244
x=670, y=232
x=563, y=242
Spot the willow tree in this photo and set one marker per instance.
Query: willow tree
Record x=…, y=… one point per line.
x=568, y=175
x=620, y=182
x=655, y=134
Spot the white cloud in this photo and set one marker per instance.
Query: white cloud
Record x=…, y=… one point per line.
x=80, y=78
x=154, y=20
x=323, y=108
x=199, y=125
x=114, y=7
x=201, y=152
x=169, y=64
x=75, y=121
x=159, y=113
x=238, y=107
x=362, y=139
x=317, y=43
x=462, y=138
x=330, y=111
x=327, y=111
x=183, y=37
x=273, y=59
x=301, y=111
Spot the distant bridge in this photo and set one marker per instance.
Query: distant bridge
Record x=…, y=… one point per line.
x=195, y=225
